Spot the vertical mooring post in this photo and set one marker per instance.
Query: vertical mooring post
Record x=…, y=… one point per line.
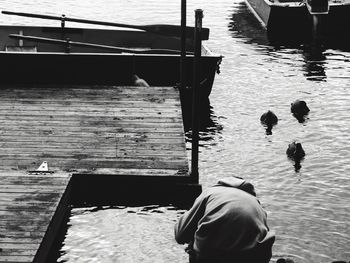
x=183, y=46
x=63, y=26
x=196, y=94
x=316, y=32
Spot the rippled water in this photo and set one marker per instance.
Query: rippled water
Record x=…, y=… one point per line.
x=309, y=209
x=122, y=234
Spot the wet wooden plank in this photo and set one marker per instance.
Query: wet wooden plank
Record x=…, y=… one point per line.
x=30, y=211
x=88, y=130
x=84, y=128
x=91, y=164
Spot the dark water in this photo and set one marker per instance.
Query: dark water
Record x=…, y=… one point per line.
x=309, y=209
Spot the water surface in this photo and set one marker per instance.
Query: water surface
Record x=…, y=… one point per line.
x=309, y=209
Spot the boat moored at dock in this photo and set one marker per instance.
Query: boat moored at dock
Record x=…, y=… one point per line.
x=295, y=20
x=32, y=54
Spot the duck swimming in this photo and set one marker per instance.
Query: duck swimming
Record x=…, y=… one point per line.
x=295, y=151
x=299, y=109
x=269, y=119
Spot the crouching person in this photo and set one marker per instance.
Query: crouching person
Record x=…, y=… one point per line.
x=226, y=224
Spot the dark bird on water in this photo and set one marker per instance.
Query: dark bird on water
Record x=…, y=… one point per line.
x=299, y=110
x=299, y=107
x=269, y=119
x=295, y=151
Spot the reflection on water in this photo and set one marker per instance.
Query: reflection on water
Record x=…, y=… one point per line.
x=315, y=70
x=209, y=124
x=244, y=25
x=315, y=62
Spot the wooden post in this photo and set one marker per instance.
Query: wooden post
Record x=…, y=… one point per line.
x=196, y=94
x=183, y=46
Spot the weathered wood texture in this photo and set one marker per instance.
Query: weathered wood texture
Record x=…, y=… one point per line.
x=77, y=129
x=32, y=207
x=92, y=129
x=109, y=130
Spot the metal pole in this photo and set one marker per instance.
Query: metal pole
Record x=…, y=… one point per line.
x=183, y=46
x=196, y=94
x=63, y=26
x=315, y=29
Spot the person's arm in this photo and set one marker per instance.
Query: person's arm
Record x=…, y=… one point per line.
x=187, y=225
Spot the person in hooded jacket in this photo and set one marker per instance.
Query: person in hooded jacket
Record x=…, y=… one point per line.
x=226, y=224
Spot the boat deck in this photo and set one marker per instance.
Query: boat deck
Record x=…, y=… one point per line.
x=94, y=139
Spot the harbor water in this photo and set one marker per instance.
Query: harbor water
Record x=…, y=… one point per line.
x=309, y=208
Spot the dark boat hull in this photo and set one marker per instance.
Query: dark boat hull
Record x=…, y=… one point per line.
x=291, y=22
x=109, y=69
x=89, y=66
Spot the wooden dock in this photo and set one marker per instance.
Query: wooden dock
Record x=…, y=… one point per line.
x=91, y=129
x=32, y=208
x=104, y=144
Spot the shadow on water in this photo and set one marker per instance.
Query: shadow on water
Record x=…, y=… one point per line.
x=244, y=25
x=209, y=126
